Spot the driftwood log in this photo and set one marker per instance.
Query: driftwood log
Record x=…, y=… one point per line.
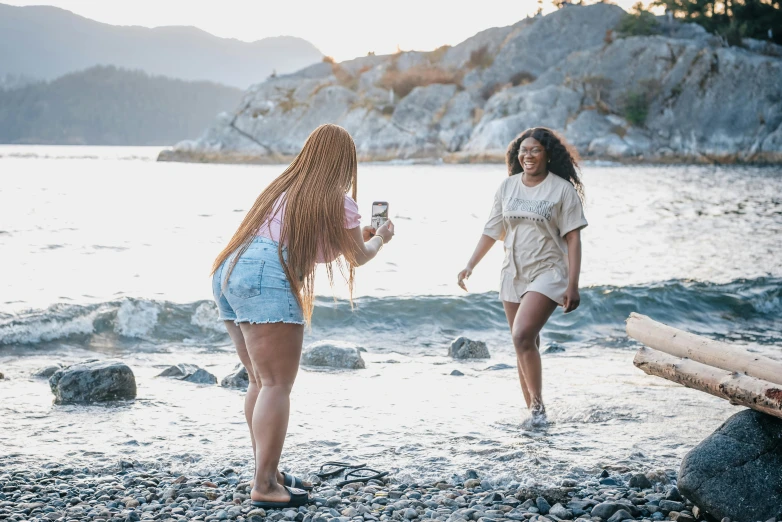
x=707, y=351
x=736, y=387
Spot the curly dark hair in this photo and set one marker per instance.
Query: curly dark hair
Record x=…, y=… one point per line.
x=561, y=156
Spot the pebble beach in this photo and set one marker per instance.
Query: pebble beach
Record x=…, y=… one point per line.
x=125, y=493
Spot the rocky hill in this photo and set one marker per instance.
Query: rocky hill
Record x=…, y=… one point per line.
x=678, y=96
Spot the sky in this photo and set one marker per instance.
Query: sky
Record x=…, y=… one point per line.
x=343, y=29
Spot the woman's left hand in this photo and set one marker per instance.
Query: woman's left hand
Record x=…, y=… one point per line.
x=572, y=299
x=368, y=233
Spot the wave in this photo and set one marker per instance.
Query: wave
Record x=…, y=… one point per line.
x=748, y=310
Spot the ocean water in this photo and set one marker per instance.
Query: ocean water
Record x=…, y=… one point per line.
x=106, y=254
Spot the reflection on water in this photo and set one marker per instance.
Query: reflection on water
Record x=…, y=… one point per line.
x=411, y=417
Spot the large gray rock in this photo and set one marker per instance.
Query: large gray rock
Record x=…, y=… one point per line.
x=464, y=348
x=238, y=379
x=736, y=472
x=93, y=381
x=189, y=373
x=548, y=41
x=333, y=354
x=557, y=70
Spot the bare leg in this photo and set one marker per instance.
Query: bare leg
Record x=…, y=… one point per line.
x=251, y=397
x=510, y=313
x=531, y=315
x=252, y=390
x=274, y=350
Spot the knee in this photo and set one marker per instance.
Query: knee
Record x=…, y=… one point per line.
x=524, y=339
x=276, y=387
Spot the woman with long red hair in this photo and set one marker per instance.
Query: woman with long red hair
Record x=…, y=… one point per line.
x=263, y=284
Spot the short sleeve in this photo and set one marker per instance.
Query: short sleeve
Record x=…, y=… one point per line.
x=495, y=226
x=352, y=217
x=571, y=212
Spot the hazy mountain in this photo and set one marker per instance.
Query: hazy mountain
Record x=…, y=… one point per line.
x=46, y=42
x=110, y=106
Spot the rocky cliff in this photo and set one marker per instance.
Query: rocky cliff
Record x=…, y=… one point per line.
x=681, y=96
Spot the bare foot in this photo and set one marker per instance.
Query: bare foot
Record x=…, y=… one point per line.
x=538, y=415
x=275, y=494
x=280, y=481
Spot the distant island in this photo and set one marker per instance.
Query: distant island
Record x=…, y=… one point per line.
x=44, y=43
x=111, y=106
x=620, y=86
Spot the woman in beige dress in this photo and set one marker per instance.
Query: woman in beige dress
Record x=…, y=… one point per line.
x=538, y=214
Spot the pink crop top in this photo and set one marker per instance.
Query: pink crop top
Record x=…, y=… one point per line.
x=272, y=229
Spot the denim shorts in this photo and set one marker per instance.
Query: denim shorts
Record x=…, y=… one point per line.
x=257, y=291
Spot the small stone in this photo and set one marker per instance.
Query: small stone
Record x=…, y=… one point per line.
x=673, y=494
x=682, y=517
x=333, y=354
x=554, y=348
x=189, y=373
x=569, y=483
x=543, y=506
x=603, y=474
x=349, y=512
x=604, y=510
x=620, y=515
x=464, y=348
x=471, y=483
x=670, y=505
x=497, y=367
x=640, y=481
x=93, y=381
x=411, y=513
x=239, y=379
x=457, y=373
x=333, y=501
x=559, y=511
x=46, y=371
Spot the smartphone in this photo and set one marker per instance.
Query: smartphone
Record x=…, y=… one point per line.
x=379, y=213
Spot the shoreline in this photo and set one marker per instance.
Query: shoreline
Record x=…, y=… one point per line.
x=461, y=158
x=127, y=492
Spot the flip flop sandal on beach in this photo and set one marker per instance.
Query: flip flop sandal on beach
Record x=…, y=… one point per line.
x=294, y=482
x=361, y=475
x=298, y=498
x=339, y=468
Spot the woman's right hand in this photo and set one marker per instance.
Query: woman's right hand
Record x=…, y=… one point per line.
x=464, y=275
x=386, y=231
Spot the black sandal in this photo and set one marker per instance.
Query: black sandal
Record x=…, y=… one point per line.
x=294, y=482
x=354, y=476
x=341, y=466
x=298, y=498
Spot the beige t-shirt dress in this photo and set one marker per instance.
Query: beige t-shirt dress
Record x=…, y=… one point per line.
x=532, y=222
